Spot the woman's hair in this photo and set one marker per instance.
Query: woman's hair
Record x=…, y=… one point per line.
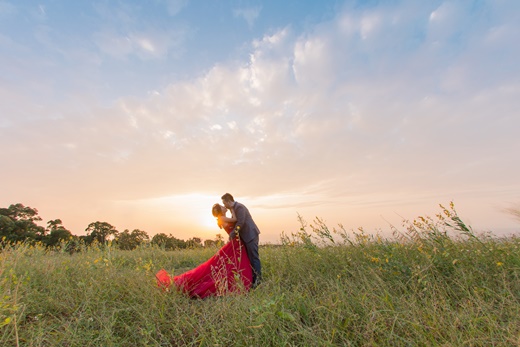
x=216, y=210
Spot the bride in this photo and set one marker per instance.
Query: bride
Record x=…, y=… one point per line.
x=228, y=271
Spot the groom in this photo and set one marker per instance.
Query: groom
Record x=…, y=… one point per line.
x=248, y=232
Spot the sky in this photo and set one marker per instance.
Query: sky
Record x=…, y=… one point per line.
x=143, y=114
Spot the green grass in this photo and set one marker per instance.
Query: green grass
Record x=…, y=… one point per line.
x=433, y=284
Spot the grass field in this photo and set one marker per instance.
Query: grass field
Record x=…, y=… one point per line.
x=434, y=283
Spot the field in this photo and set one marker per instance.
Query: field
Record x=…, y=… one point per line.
x=434, y=283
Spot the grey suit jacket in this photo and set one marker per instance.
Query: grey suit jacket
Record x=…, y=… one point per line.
x=248, y=228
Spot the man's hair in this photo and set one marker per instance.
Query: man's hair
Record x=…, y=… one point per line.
x=228, y=197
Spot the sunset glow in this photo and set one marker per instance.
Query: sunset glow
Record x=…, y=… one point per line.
x=142, y=114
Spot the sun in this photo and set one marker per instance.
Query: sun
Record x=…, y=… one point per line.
x=207, y=220
x=193, y=209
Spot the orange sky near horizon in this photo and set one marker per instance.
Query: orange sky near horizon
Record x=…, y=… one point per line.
x=190, y=216
x=362, y=113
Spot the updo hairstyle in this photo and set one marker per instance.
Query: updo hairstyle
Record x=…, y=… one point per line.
x=216, y=210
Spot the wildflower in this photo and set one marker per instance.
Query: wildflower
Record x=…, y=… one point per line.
x=499, y=263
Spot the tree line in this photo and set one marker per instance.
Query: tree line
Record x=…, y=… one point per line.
x=18, y=223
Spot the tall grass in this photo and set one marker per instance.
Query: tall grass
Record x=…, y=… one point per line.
x=435, y=283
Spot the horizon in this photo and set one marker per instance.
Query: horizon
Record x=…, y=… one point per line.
x=359, y=113
x=399, y=223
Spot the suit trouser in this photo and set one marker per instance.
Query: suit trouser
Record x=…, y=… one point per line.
x=254, y=258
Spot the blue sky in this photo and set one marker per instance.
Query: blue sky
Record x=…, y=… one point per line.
x=129, y=47
x=143, y=113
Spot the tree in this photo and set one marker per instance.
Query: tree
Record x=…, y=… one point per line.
x=219, y=240
x=54, y=225
x=168, y=242
x=7, y=227
x=100, y=232
x=57, y=233
x=194, y=242
x=131, y=240
x=209, y=243
x=160, y=240
x=18, y=224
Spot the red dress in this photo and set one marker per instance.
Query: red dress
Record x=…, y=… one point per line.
x=228, y=271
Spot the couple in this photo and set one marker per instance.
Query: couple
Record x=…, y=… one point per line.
x=234, y=268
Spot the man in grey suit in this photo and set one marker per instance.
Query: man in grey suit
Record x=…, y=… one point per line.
x=248, y=232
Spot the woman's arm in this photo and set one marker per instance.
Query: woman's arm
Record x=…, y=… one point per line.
x=224, y=219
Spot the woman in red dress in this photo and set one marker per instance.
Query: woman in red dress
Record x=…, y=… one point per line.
x=228, y=271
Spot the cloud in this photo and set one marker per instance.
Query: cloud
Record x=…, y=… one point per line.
x=175, y=6
x=125, y=32
x=7, y=9
x=297, y=115
x=377, y=105
x=249, y=14
x=150, y=44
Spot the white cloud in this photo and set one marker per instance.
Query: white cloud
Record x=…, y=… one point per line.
x=376, y=105
x=41, y=12
x=369, y=25
x=249, y=14
x=124, y=31
x=447, y=21
x=312, y=63
x=114, y=45
x=151, y=44
x=175, y=6
x=146, y=45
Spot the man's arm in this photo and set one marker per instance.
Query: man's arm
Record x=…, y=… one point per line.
x=240, y=215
